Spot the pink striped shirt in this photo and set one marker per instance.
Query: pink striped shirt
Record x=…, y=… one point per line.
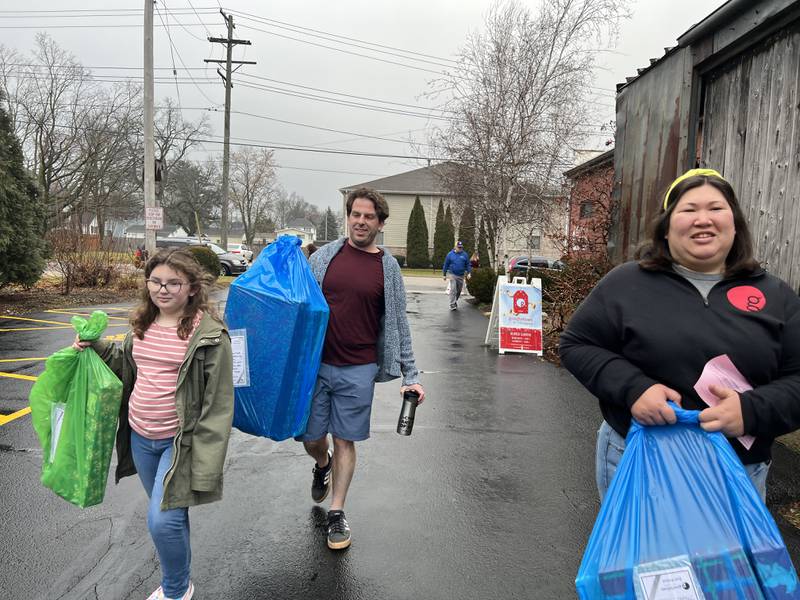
x=158, y=357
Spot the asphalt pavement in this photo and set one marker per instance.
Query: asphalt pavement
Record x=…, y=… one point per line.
x=492, y=496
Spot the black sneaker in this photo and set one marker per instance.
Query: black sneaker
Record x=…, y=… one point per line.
x=321, y=484
x=338, y=530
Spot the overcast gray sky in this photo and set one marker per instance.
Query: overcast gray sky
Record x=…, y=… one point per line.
x=316, y=44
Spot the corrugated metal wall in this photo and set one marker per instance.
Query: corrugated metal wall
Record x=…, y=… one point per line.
x=752, y=136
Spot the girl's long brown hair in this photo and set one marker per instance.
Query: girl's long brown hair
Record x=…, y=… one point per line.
x=181, y=261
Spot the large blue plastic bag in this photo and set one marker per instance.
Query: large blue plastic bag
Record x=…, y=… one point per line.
x=277, y=316
x=681, y=512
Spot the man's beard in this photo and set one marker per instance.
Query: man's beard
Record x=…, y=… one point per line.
x=365, y=243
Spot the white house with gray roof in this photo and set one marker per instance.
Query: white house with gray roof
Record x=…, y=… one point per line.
x=402, y=189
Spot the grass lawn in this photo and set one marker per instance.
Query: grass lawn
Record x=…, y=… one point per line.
x=422, y=272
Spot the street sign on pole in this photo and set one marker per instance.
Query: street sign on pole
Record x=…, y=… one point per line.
x=153, y=218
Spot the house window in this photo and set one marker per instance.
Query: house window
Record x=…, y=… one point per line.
x=587, y=209
x=535, y=242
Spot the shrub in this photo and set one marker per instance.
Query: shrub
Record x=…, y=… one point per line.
x=82, y=263
x=401, y=260
x=563, y=292
x=481, y=284
x=417, y=238
x=207, y=259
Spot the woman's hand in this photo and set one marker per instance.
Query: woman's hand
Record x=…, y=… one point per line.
x=651, y=407
x=79, y=345
x=725, y=416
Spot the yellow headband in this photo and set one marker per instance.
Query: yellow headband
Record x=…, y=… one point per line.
x=690, y=173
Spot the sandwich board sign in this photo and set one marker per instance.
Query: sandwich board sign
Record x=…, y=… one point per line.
x=515, y=324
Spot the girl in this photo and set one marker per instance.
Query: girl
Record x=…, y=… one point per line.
x=177, y=406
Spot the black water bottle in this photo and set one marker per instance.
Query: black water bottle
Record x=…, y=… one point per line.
x=406, y=421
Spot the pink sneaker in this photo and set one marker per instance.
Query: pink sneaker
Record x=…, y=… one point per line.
x=159, y=594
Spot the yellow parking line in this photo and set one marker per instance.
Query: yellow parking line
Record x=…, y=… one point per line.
x=103, y=308
x=34, y=328
x=80, y=314
x=15, y=376
x=15, y=415
x=53, y=327
x=2, y=360
x=34, y=320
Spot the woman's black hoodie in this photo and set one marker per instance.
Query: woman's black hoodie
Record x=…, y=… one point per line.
x=639, y=327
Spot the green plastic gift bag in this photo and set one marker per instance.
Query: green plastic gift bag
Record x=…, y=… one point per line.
x=74, y=408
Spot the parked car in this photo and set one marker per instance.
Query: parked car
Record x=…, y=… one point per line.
x=242, y=249
x=230, y=264
x=519, y=265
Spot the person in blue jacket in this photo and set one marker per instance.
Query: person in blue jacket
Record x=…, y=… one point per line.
x=456, y=267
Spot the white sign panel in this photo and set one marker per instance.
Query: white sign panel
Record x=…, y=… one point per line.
x=154, y=218
x=519, y=309
x=241, y=365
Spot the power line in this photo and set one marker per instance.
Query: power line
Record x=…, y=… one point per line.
x=266, y=118
x=208, y=32
x=172, y=54
x=407, y=54
x=340, y=102
x=377, y=100
x=383, y=60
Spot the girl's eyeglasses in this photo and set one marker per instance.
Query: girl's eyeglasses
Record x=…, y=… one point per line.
x=173, y=287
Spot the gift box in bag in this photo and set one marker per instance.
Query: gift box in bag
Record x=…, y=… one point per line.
x=682, y=520
x=277, y=317
x=75, y=409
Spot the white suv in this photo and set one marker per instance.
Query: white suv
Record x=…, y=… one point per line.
x=242, y=250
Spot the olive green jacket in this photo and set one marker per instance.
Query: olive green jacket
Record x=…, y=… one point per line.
x=204, y=400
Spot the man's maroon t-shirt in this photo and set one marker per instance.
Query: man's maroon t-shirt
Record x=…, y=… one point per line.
x=353, y=287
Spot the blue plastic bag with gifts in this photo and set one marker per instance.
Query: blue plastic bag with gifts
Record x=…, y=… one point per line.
x=277, y=317
x=682, y=520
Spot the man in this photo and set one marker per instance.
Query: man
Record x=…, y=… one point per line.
x=368, y=340
x=456, y=266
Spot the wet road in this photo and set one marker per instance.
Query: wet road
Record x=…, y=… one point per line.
x=491, y=497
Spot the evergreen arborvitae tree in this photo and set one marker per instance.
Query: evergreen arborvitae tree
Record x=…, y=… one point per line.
x=451, y=229
x=441, y=246
x=22, y=245
x=417, y=238
x=328, y=226
x=466, y=228
x=483, y=248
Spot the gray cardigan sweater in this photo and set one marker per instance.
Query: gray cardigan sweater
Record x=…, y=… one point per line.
x=395, y=356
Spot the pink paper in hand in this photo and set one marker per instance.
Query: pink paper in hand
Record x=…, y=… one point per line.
x=721, y=371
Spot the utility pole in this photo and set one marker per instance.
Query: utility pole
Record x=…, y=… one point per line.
x=149, y=144
x=230, y=43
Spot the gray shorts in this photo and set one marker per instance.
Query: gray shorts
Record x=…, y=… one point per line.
x=342, y=403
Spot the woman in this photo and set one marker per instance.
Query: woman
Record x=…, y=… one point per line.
x=645, y=333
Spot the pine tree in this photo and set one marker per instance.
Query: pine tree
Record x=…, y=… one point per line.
x=22, y=245
x=417, y=238
x=483, y=248
x=466, y=228
x=451, y=230
x=441, y=246
x=328, y=226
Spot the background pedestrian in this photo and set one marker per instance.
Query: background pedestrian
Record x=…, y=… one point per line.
x=456, y=267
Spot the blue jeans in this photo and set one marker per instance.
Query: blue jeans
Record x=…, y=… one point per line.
x=168, y=528
x=611, y=445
